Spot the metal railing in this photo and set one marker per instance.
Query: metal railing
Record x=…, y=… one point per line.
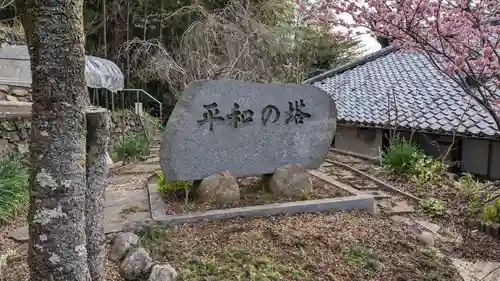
x=148, y=95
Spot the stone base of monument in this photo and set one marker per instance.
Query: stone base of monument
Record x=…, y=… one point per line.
x=219, y=188
x=290, y=181
x=259, y=197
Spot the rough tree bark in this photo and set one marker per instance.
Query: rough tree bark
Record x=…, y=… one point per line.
x=57, y=246
x=97, y=174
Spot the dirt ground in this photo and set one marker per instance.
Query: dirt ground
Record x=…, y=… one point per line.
x=315, y=247
x=334, y=247
x=312, y=247
x=476, y=245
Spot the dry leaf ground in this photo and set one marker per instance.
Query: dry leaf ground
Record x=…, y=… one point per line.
x=315, y=247
x=334, y=247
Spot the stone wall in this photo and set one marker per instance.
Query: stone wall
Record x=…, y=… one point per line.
x=366, y=141
x=125, y=122
x=14, y=133
x=14, y=93
x=15, y=128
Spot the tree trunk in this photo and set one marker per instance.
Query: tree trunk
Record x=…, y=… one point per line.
x=97, y=175
x=57, y=246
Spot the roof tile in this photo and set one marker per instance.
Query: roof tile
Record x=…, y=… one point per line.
x=424, y=97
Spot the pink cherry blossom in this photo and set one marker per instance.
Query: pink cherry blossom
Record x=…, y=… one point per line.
x=487, y=52
x=459, y=36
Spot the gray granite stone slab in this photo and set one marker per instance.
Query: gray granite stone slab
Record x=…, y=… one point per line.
x=142, y=169
x=124, y=197
x=116, y=216
x=113, y=222
x=197, y=145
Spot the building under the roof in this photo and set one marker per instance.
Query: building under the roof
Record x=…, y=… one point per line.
x=395, y=90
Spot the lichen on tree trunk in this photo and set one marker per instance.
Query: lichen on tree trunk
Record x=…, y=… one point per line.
x=57, y=245
x=97, y=174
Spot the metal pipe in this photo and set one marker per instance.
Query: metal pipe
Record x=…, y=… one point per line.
x=112, y=102
x=147, y=94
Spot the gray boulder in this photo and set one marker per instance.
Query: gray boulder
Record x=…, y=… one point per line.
x=140, y=227
x=137, y=264
x=122, y=242
x=219, y=188
x=289, y=181
x=426, y=238
x=163, y=272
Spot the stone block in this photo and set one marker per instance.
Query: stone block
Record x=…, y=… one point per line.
x=248, y=129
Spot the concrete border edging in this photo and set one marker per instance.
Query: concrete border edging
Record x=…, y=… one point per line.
x=156, y=205
x=349, y=203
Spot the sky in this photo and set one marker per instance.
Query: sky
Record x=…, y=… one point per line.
x=370, y=44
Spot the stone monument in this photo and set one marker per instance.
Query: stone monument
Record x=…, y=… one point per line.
x=247, y=129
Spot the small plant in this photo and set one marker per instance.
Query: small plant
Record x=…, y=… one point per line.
x=470, y=184
x=361, y=257
x=401, y=156
x=14, y=176
x=432, y=207
x=426, y=169
x=168, y=188
x=132, y=147
x=477, y=197
x=473, y=190
x=305, y=194
x=491, y=212
x=432, y=267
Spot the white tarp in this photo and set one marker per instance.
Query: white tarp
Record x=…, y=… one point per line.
x=15, y=70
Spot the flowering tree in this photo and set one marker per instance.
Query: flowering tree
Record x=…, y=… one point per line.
x=460, y=37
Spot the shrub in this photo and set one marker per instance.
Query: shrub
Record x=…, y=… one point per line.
x=401, y=156
x=426, y=169
x=491, y=212
x=470, y=183
x=14, y=180
x=472, y=189
x=132, y=147
x=432, y=207
x=477, y=198
x=167, y=189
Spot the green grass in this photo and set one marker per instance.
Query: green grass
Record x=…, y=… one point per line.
x=362, y=258
x=14, y=180
x=236, y=264
x=401, y=157
x=130, y=148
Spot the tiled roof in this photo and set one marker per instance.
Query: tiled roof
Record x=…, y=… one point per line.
x=419, y=96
